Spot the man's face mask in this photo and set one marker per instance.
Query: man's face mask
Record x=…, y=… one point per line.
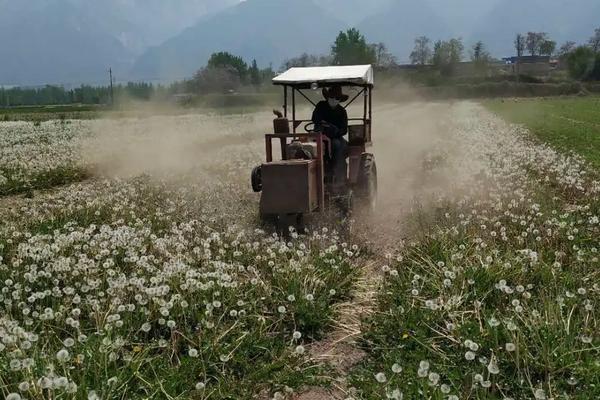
x=333, y=102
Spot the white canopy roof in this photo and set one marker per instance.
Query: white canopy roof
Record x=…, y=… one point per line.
x=357, y=74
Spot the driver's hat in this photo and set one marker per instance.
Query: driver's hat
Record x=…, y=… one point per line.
x=335, y=92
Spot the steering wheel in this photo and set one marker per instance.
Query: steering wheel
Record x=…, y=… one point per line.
x=310, y=127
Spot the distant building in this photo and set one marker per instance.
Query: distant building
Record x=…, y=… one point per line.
x=527, y=59
x=529, y=65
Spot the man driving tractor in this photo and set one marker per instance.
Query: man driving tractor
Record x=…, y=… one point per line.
x=331, y=118
x=319, y=169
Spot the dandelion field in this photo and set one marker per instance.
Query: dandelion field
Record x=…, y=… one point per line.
x=566, y=123
x=498, y=299
x=133, y=265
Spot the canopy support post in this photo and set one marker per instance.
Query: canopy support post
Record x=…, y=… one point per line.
x=285, y=96
x=370, y=104
x=365, y=95
x=294, y=109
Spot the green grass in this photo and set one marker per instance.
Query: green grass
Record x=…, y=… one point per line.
x=60, y=108
x=49, y=179
x=569, y=124
x=51, y=112
x=225, y=104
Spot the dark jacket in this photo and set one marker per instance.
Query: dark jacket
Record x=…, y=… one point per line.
x=338, y=117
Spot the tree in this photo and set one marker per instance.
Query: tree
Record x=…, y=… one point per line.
x=534, y=42
x=456, y=50
x=422, y=52
x=307, y=60
x=382, y=56
x=594, y=41
x=547, y=47
x=584, y=63
x=351, y=48
x=223, y=60
x=447, y=54
x=566, y=48
x=520, y=45
x=267, y=74
x=479, y=53
x=255, y=76
x=216, y=79
x=480, y=56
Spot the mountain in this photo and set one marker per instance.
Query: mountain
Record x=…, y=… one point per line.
x=265, y=30
x=401, y=22
x=53, y=41
x=151, y=22
x=460, y=15
x=75, y=41
x=562, y=19
x=353, y=11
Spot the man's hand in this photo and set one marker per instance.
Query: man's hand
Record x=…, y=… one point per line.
x=329, y=129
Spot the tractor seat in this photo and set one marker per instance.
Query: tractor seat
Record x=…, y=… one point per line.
x=301, y=151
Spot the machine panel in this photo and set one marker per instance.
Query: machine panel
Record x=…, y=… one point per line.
x=289, y=187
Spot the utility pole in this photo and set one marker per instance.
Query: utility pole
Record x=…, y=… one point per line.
x=112, y=94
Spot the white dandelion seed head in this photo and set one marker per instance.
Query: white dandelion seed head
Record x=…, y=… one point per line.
x=63, y=355
x=380, y=377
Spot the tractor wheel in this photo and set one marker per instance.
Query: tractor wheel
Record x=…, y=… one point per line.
x=256, y=179
x=366, y=188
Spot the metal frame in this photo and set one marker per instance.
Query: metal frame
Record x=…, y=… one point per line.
x=321, y=140
x=366, y=91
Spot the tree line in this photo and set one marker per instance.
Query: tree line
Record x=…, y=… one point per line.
x=226, y=72
x=582, y=61
x=85, y=94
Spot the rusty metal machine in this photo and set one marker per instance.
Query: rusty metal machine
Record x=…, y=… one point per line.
x=301, y=181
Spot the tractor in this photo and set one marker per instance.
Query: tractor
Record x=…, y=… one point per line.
x=301, y=182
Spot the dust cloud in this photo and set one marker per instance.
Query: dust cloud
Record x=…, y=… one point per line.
x=417, y=151
x=408, y=140
x=171, y=144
